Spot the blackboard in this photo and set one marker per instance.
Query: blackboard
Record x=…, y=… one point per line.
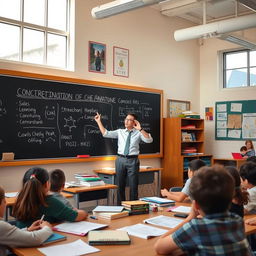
x=45, y=118
x=235, y=120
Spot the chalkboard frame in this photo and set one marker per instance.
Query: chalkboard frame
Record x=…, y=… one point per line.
x=87, y=83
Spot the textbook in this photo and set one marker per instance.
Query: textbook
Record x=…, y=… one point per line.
x=80, y=228
x=111, y=215
x=164, y=221
x=158, y=201
x=181, y=209
x=108, y=237
x=54, y=238
x=102, y=208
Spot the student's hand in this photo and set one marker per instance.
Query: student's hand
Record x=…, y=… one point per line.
x=137, y=125
x=194, y=212
x=164, y=192
x=45, y=223
x=251, y=221
x=35, y=225
x=97, y=117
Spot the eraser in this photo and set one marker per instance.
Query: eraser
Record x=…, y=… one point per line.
x=82, y=156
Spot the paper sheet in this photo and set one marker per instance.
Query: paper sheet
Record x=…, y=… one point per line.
x=221, y=124
x=164, y=221
x=222, y=116
x=235, y=121
x=221, y=133
x=144, y=231
x=234, y=134
x=236, y=107
x=182, y=209
x=221, y=107
x=70, y=249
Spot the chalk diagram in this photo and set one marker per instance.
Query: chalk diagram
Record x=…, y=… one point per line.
x=50, y=113
x=70, y=123
x=2, y=109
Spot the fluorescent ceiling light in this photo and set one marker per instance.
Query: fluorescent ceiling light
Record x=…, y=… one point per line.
x=119, y=6
x=240, y=41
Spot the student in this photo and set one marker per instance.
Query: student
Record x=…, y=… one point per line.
x=248, y=177
x=243, y=150
x=219, y=232
x=241, y=196
x=57, y=183
x=34, y=201
x=193, y=166
x=250, y=148
x=11, y=236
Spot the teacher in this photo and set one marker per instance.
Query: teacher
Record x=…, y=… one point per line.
x=127, y=162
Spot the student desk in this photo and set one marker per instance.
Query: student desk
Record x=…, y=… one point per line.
x=229, y=161
x=83, y=194
x=10, y=201
x=138, y=246
x=146, y=176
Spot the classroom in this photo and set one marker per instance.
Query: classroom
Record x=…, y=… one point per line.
x=190, y=70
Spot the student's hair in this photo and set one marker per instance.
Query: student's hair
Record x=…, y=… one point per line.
x=213, y=189
x=249, y=141
x=240, y=195
x=248, y=172
x=196, y=164
x=251, y=159
x=243, y=148
x=2, y=195
x=57, y=180
x=132, y=114
x=32, y=196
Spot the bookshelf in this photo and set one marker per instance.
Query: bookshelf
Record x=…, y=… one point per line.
x=183, y=142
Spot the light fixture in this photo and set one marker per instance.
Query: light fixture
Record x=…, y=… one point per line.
x=119, y=6
x=238, y=40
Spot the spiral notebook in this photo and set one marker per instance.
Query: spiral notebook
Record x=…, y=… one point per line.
x=108, y=237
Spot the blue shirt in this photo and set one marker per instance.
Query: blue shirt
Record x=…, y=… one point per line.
x=122, y=134
x=250, y=153
x=219, y=234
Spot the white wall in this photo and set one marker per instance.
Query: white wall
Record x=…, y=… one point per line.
x=156, y=61
x=211, y=91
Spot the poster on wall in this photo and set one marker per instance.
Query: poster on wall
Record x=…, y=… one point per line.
x=120, y=62
x=209, y=113
x=97, y=57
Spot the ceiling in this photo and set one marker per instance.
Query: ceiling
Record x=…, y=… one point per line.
x=206, y=11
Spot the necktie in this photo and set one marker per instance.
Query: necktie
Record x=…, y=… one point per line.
x=127, y=144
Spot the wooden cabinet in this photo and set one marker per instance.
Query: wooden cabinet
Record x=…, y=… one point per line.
x=181, y=136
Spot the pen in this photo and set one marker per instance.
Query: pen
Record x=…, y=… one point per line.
x=42, y=218
x=93, y=217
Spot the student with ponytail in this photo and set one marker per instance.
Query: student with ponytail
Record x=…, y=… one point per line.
x=34, y=201
x=11, y=236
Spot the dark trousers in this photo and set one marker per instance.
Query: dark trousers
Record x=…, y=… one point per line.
x=127, y=167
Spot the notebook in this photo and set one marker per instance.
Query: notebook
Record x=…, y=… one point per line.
x=237, y=156
x=108, y=237
x=54, y=238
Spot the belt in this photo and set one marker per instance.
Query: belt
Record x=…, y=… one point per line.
x=131, y=156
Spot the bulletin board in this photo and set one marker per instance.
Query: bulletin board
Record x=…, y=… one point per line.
x=235, y=120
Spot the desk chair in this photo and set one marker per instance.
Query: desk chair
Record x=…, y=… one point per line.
x=175, y=189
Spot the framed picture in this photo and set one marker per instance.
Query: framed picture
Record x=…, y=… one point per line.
x=120, y=62
x=176, y=107
x=97, y=57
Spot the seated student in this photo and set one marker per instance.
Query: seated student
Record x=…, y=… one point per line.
x=193, y=166
x=34, y=201
x=250, y=148
x=251, y=159
x=57, y=183
x=241, y=196
x=219, y=232
x=11, y=236
x=243, y=150
x=248, y=180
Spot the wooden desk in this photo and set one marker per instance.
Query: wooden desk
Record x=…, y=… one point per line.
x=83, y=194
x=229, y=161
x=138, y=246
x=146, y=176
x=10, y=201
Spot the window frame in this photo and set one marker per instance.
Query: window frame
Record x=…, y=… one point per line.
x=45, y=29
x=248, y=67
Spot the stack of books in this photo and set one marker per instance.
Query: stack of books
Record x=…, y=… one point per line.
x=191, y=114
x=190, y=126
x=136, y=207
x=158, y=201
x=189, y=150
x=110, y=212
x=89, y=180
x=187, y=137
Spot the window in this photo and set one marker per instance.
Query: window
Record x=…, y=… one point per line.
x=35, y=31
x=239, y=69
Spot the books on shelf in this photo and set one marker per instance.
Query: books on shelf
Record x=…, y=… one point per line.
x=191, y=114
x=143, y=231
x=80, y=228
x=136, y=207
x=54, y=238
x=108, y=237
x=188, y=136
x=190, y=126
x=158, y=201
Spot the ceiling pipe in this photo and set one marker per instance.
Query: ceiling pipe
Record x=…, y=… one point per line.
x=216, y=28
